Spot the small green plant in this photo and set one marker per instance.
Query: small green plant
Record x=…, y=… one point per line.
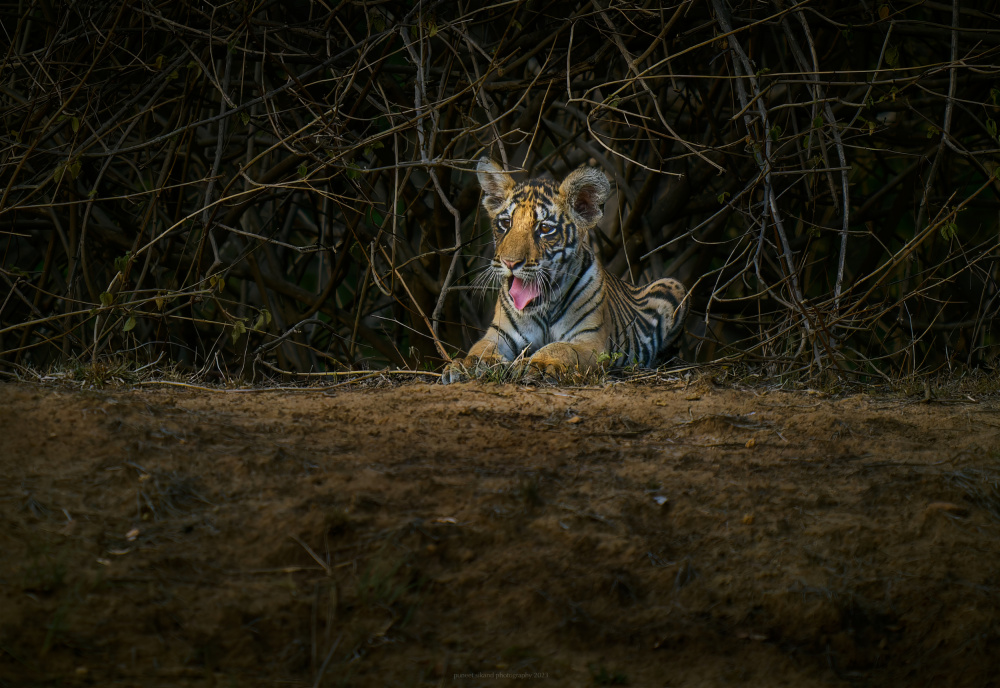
x=607, y=359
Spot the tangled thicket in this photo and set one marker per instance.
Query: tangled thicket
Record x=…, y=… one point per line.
x=288, y=184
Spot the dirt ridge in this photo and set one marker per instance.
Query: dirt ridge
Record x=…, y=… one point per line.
x=671, y=534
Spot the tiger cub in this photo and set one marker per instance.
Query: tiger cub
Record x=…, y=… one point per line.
x=557, y=306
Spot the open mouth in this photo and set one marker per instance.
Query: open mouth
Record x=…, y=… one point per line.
x=523, y=293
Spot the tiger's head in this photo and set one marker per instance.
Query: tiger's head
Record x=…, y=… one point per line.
x=540, y=229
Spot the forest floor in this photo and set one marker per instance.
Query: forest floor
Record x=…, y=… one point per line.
x=674, y=533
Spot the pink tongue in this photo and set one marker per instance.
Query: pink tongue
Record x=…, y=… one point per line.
x=522, y=293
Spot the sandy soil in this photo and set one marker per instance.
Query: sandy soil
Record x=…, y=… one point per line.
x=480, y=535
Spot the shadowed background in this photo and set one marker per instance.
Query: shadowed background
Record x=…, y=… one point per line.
x=261, y=186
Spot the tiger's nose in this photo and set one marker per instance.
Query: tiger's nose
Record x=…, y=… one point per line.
x=510, y=264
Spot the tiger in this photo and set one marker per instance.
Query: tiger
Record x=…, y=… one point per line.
x=557, y=307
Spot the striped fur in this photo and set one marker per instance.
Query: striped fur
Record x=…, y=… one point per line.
x=575, y=311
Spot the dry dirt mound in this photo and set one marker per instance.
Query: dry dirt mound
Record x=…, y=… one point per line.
x=478, y=535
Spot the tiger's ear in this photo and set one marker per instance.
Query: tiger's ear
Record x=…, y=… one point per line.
x=585, y=191
x=496, y=184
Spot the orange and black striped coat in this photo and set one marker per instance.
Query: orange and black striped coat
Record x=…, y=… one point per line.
x=558, y=310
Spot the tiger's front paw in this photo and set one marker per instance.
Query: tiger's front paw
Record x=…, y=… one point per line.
x=547, y=367
x=455, y=372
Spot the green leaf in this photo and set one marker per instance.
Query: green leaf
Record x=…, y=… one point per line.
x=107, y=299
x=121, y=263
x=995, y=96
x=245, y=116
x=991, y=126
x=66, y=167
x=892, y=56
x=949, y=230
x=432, y=28
x=74, y=124
x=303, y=171
x=723, y=196
x=818, y=122
x=775, y=132
x=238, y=330
x=129, y=324
x=263, y=319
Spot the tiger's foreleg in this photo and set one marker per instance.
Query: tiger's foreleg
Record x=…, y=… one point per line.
x=559, y=358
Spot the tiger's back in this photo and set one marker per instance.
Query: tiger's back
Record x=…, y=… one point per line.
x=644, y=321
x=557, y=307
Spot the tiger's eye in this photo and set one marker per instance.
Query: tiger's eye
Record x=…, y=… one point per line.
x=503, y=223
x=547, y=227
